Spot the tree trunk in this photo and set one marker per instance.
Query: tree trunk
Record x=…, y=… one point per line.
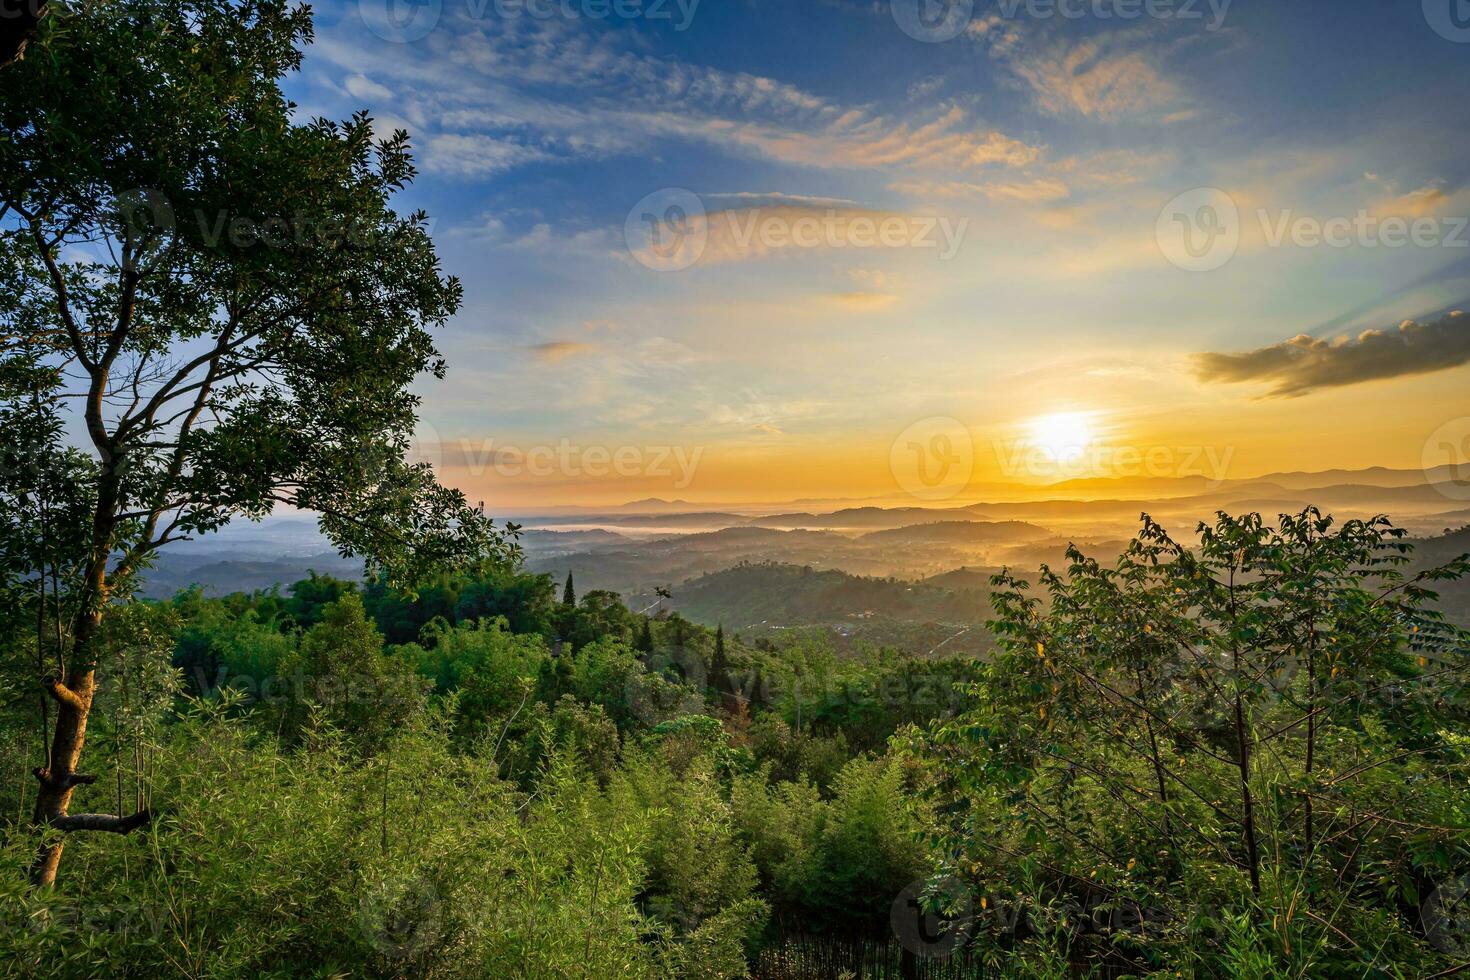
x=1308, y=831
x=1248, y=807
x=73, y=694
x=58, y=781
x=18, y=20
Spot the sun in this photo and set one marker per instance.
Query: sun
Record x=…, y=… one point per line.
x=1063, y=434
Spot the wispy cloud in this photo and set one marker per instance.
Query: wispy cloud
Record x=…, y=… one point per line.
x=490, y=100
x=1432, y=199
x=1107, y=78
x=1035, y=190
x=477, y=155
x=863, y=301
x=1305, y=364
x=555, y=351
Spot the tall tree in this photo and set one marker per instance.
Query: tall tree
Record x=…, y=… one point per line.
x=569, y=594
x=225, y=308
x=719, y=673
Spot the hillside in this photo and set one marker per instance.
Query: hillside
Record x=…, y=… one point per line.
x=857, y=518
x=791, y=595
x=1454, y=597
x=958, y=533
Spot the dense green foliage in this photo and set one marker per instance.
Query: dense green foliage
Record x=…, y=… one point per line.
x=656, y=799
x=208, y=308
x=478, y=800
x=1243, y=758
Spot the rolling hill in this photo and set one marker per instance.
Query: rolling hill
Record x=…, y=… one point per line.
x=957, y=533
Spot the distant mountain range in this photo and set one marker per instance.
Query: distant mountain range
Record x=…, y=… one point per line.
x=1084, y=488
x=655, y=543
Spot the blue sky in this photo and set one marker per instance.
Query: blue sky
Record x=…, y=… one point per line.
x=1052, y=143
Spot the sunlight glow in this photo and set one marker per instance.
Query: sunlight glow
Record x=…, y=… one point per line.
x=1063, y=434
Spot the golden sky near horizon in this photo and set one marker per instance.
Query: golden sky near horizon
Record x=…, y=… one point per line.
x=1113, y=429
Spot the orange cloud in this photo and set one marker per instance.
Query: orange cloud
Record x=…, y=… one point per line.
x=554, y=351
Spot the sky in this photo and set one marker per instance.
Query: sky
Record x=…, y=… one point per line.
x=771, y=250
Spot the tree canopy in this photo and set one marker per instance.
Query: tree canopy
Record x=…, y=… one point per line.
x=210, y=308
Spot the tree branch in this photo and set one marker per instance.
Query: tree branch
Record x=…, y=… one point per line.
x=103, y=822
x=64, y=694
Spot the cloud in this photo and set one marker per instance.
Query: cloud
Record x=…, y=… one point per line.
x=555, y=351
x=362, y=87
x=1105, y=78
x=875, y=279
x=1087, y=81
x=483, y=101
x=1112, y=169
x=926, y=87
x=858, y=140
x=1430, y=200
x=494, y=230
x=751, y=198
x=1039, y=190
x=1305, y=364
x=752, y=411
x=471, y=155
x=862, y=301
